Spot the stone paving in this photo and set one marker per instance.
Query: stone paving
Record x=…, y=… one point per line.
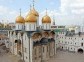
x=63, y=56
x=7, y=57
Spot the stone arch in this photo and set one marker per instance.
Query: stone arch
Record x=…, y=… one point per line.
x=80, y=50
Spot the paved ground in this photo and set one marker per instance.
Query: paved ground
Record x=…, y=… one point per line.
x=6, y=57
x=68, y=57
x=60, y=57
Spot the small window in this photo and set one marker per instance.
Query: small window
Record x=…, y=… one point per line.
x=62, y=47
x=47, y=48
x=26, y=57
x=81, y=44
x=75, y=43
x=43, y=49
x=18, y=26
x=30, y=26
x=46, y=26
x=34, y=26
x=82, y=38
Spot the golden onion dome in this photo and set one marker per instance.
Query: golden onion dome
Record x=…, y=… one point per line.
x=46, y=19
x=34, y=12
x=20, y=19
x=31, y=18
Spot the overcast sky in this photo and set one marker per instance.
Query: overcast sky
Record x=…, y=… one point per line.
x=66, y=12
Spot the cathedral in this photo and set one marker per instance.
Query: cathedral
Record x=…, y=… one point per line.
x=30, y=41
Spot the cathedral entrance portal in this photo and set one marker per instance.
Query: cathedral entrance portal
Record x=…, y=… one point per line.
x=80, y=50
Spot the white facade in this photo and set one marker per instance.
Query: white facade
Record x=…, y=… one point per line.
x=46, y=26
x=30, y=26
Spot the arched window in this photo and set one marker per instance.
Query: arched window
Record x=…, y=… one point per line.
x=62, y=47
x=47, y=48
x=30, y=26
x=34, y=26
x=81, y=44
x=43, y=49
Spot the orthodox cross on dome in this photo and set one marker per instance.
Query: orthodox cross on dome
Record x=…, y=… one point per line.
x=53, y=20
x=46, y=11
x=33, y=3
x=20, y=11
x=30, y=7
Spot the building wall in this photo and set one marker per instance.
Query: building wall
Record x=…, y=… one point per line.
x=70, y=43
x=29, y=52
x=26, y=48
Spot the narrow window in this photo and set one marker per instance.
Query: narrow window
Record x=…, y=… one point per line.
x=18, y=26
x=43, y=49
x=26, y=57
x=47, y=48
x=34, y=26
x=62, y=47
x=82, y=38
x=75, y=43
x=81, y=44
x=46, y=26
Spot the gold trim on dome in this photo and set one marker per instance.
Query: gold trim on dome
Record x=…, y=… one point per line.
x=46, y=19
x=20, y=19
x=31, y=18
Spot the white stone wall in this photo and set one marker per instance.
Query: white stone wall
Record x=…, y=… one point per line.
x=19, y=26
x=26, y=47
